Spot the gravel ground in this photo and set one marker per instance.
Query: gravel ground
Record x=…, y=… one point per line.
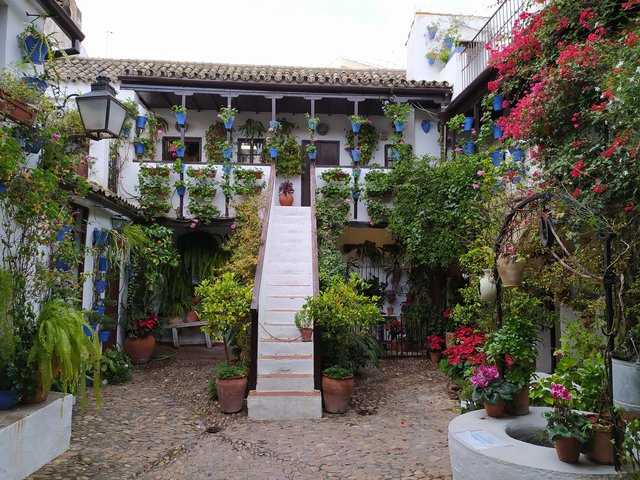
x=161, y=426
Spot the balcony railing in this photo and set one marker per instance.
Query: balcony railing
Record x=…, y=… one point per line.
x=497, y=30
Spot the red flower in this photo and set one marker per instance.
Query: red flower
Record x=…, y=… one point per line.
x=576, y=192
x=599, y=187
x=446, y=314
x=577, y=169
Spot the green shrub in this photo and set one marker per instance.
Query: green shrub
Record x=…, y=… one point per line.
x=116, y=366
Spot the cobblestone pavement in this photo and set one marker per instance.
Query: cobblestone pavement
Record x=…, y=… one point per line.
x=155, y=427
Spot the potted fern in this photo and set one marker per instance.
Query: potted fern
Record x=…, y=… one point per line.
x=60, y=347
x=305, y=324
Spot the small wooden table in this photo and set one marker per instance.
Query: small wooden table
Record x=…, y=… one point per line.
x=174, y=332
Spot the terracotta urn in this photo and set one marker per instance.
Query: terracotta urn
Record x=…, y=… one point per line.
x=231, y=394
x=285, y=200
x=140, y=349
x=510, y=270
x=336, y=393
x=435, y=356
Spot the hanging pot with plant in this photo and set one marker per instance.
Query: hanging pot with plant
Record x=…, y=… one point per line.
x=34, y=44
x=285, y=193
x=141, y=121
x=497, y=102
x=227, y=115
x=181, y=114
x=510, y=268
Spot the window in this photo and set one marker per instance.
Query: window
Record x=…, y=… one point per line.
x=249, y=150
x=193, y=154
x=389, y=155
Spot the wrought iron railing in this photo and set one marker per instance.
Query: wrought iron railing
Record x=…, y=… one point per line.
x=497, y=30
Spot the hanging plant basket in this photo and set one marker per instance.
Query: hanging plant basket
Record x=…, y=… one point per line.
x=469, y=147
x=510, y=270
x=355, y=155
x=181, y=191
x=497, y=158
x=181, y=118
x=497, y=102
x=399, y=126
x=355, y=127
x=139, y=148
x=273, y=152
x=37, y=49
x=468, y=124
x=226, y=153
x=313, y=155
x=141, y=121
x=228, y=124
x=497, y=131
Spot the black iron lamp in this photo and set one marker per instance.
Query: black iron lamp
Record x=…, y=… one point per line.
x=101, y=114
x=119, y=222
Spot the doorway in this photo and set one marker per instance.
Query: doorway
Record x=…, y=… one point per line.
x=328, y=155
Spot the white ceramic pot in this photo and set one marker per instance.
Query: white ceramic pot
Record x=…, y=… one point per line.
x=487, y=290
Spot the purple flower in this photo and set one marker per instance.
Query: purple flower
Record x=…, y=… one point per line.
x=476, y=186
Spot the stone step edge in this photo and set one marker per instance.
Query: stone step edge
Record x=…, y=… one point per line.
x=284, y=393
x=285, y=375
x=277, y=340
x=285, y=357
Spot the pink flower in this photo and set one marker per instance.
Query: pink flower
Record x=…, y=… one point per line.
x=480, y=173
x=560, y=392
x=192, y=225
x=476, y=186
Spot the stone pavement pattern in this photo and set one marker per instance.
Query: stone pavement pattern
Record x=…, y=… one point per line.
x=155, y=428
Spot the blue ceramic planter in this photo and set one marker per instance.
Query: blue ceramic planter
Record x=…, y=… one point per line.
x=103, y=263
x=3, y=187
x=431, y=60
x=139, y=147
x=497, y=102
x=126, y=130
x=468, y=148
x=497, y=157
x=273, y=152
x=8, y=399
x=181, y=191
x=399, y=126
x=497, y=131
x=100, y=309
x=36, y=83
x=355, y=127
x=103, y=335
x=355, y=156
x=355, y=195
x=448, y=43
x=36, y=146
x=274, y=124
x=100, y=286
x=180, y=152
x=181, y=117
x=312, y=126
x=458, y=49
x=141, y=121
x=517, y=154
x=62, y=266
x=426, y=126
x=226, y=169
x=89, y=331
x=229, y=125
x=62, y=232
x=431, y=33
x=468, y=124
x=36, y=49
x=312, y=155
x=226, y=153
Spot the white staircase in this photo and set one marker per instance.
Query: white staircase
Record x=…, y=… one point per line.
x=285, y=364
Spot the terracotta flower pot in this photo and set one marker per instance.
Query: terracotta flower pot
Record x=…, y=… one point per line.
x=191, y=316
x=435, y=356
x=38, y=395
x=602, y=451
x=285, y=200
x=336, y=394
x=390, y=310
x=494, y=410
x=139, y=350
x=306, y=334
x=567, y=449
x=231, y=394
x=520, y=403
x=510, y=271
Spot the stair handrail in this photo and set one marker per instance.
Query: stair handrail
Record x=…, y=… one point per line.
x=263, y=238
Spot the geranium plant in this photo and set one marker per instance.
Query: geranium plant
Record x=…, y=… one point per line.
x=488, y=387
x=359, y=119
x=226, y=114
x=397, y=112
x=144, y=326
x=562, y=421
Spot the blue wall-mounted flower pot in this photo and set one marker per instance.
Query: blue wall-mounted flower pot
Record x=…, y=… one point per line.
x=355, y=156
x=62, y=266
x=497, y=131
x=448, y=43
x=226, y=169
x=355, y=127
x=36, y=83
x=36, y=49
x=226, y=153
x=468, y=124
x=497, y=102
x=355, y=195
x=141, y=121
x=181, y=191
x=125, y=131
x=426, y=126
x=431, y=60
x=312, y=155
x=399, y=126
x=103, y=335
x=273, y=152
x=139, y=147
x=89, y=331
x=103, y=238
x=517, y=154
x=497, y=157
x=180, y=152
x=103, y=264
x=228, y=124
x=274, y=124
x=100, y=309
x=468, y=148
x=181, y=117
x=431, y=33
x=100, y=286
x=62, y=232
x=8, y=399
x=312, y=125
x=3, y=187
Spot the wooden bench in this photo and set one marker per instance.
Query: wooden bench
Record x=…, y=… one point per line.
x=174, y=332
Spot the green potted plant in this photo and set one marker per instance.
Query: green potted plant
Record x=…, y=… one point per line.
x=357, y=121
x=177, y=149
x=305, y=324
x=568, y=430
x=61, y=348
x=142, y=329
x=116, y=366
x=225, y=306
x=181, y=114
x=312, y=122
x=338, y=310
x=397, y=113
x=285, y=193
x=36, y=46
x=490, y=390
x=311, y=150
x=227, y=115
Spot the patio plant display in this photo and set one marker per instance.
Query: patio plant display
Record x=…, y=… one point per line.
x=153, y=184
x=227, y=115
x=338, y=310
x=285, y=193
x=312, y=123
x=202, y=190
x=225, y=306
x=214, y=136
x=490, y=390
x=177, y=149
x=180, y=112
x=398, y=113
x=290, y=161
x=246, y=181
x=368, y=141
x=304, y=323
x=357, y=121
x=37, y=47
x=435, y=344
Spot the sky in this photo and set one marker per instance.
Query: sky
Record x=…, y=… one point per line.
x=274, y=32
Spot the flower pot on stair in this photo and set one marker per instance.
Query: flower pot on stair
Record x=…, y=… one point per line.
x=306, y=334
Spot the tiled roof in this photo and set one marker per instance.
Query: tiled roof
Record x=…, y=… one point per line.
x=83, y=69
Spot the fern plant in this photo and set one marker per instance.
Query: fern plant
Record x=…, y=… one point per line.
x=60, y=343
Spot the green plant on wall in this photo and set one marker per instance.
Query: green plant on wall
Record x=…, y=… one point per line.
x=214, y=137
x=368, y=141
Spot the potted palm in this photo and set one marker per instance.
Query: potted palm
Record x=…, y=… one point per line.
x=490, y=390
x=338, y=310
x=305, y=324
x=225, y=306
x=285, y=193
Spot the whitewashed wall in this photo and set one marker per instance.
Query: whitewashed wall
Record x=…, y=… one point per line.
x=12, y=22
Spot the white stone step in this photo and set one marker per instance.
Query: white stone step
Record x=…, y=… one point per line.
x=272, y=278
x=299, y=256
x=288, y=268
x=286, y=230
x=290, y=220
x=270, y=346
x=280, y=332
x=285, y=364
x=284, y=405
x=287, y=290
x=277, y=210
x=285, y=382
x=283, y=302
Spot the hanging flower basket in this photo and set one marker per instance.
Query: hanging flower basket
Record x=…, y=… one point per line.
x=141, y=121
x=181, y=191
x=468, y=148
x=139, y=148
x=226, y=169
x=399, y=126
x=226, y=153
x=497, y=158
x=313, y=155
x=180, y=153
x=355, y=155
x=447, y=43
x=100, y=286
x=468, y=124
x=181, y=117
x=273, y=152
x=497, y=131
x=510, y=270
x=431, y=33
x=37, y=49
x=497, y=102
x=103, y=263
x=228, y=124
x=312, y=125
x=355, y=127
